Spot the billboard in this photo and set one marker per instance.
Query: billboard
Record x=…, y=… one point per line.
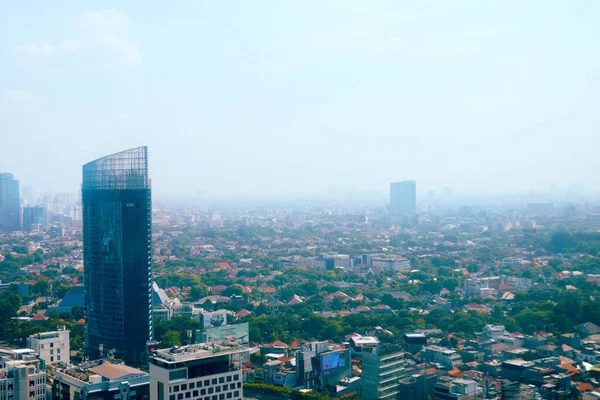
x=213, y=319
x=334, y=361
x=234, y=334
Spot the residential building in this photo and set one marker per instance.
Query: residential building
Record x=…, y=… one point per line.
x=101, y=381
x=454, y=389
x=117, y=255
x=22, y=375
x=207, y=371
x=10, y=205
x=52, y=347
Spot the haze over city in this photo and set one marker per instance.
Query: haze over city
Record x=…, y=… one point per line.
x=260, y=98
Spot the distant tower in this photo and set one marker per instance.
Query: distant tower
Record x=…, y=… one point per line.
x=117, y=254
x=403, y=201
x=10, y=205
x=34, y=218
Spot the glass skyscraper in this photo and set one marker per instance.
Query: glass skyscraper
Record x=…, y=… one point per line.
x=117, y=224
x=10, y=205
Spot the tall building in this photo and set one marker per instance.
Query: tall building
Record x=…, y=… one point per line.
x=117, y=225
x=403, y=198
x=10, y=206
x=383, y=366
x=34, y=218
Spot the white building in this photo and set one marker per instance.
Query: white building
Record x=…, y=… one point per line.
x=52, y=347
x=21, y=375
x=197, y=371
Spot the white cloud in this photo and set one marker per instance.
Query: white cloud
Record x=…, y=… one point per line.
x=96, y=31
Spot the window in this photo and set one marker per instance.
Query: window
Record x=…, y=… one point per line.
x=214, y=381
x=211, y=390
x=172, y=397
x=188, y=395
x=176, y=388
x=218, y=389
x=232, y=386
x=180, y=396
x=206, y=382
x=184, y=386
x=51, y=344
x=202, y=392
x=57, y=351
x=51, y=351
x=236, y=377
x=222, y=379
x=51, y=359
x=236, y=393
x=229, y=377
x=191, y=385
x=229, y=395
x=195, y=394
x=42, y=346
x=58, y=358
x=239, y=385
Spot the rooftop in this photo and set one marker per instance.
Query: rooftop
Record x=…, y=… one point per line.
x=196, y=351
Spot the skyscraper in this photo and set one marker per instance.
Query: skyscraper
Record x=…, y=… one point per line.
x=34, y=218
x=117, y=254
x=10, y=206
x=403, y=198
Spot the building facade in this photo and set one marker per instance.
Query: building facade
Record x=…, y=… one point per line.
x=117, y=224
x=382, y=369
x=52, y=347
x=200, y=371
x=10, y=205
x=34, y=218
x=101, y=381
x=22, y=375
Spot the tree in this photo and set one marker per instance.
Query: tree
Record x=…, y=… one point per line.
x=232, y=290
x=77, y=313
x=170, y=339
x=41, y=287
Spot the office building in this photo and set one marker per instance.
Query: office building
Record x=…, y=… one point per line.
x=403, y=202
x=100, y=381
x=52, y=347
x=117, y=255
x=34, y=219
x=206, y=371
x=383, y=366
x=10, y=205
x=22, y=375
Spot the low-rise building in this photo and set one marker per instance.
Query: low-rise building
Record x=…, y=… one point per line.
x=52, y=347
x=22, y=375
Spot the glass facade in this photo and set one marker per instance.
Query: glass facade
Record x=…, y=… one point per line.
x=117, y=223
x=10, y=205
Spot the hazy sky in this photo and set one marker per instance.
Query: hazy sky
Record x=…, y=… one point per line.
x=247, y=97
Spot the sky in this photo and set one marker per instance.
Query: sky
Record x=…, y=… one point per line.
x=248, y=98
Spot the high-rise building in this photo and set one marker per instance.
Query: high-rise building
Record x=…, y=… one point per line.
x=10, y=205
x=34, y=218
x=383, y=366
x=403, y=198
x=117, y=217
x=199, y=371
